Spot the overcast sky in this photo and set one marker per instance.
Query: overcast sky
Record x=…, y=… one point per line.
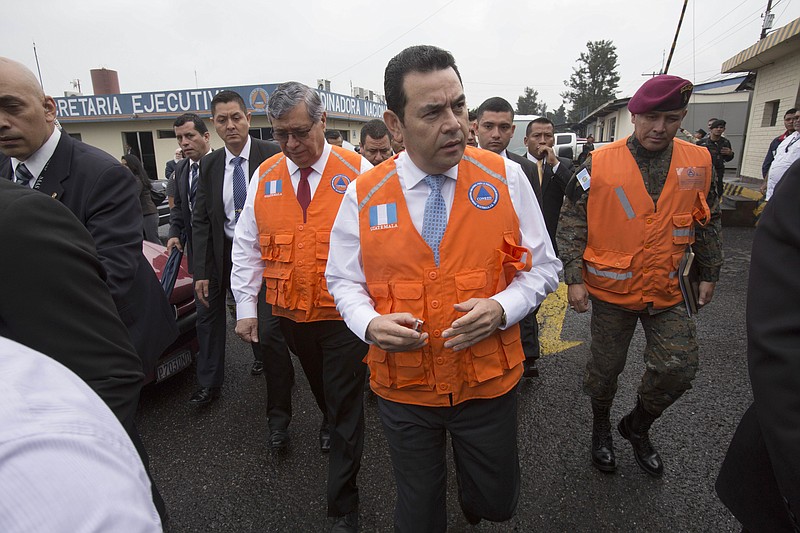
x=500, y=47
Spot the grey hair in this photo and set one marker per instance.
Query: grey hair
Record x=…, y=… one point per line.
x=289, y=95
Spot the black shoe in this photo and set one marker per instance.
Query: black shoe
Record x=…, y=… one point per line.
x=346, y=523
x=602, y=444
x=279, y=439
x=257, y=369
x=634, y=427
x=530, y=370
x=324, y=439
x=204, y=395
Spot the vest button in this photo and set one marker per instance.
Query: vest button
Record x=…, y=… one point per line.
x=440, y=360
x=444, y=386
x=300, y=263
x=644, y=293
x=300, y=245
x=649, y=220
x=300, y=227
x=433, y=275
x=437, y=333
x=647, y=246
x=645, y=270
x=435, y=304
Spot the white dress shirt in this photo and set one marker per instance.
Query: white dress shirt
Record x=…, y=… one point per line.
x=66, y=462
x=248, y=267
x=37, y=162
x=227, y=185
x=345, y=272
x=787, y=153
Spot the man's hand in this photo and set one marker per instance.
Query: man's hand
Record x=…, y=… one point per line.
x=706, y=293
x=174, y=242
x=548, y=154
x=578, y=297
x=763, y=188
x=725, y=151
x=394, y=333
x=482, y=319
x=201, y=291
x=247, y=329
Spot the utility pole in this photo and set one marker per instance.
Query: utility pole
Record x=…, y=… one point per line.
x=675, y=40
x=768, y=19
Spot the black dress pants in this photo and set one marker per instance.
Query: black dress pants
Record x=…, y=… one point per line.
x=331, y=356
x=484, y=437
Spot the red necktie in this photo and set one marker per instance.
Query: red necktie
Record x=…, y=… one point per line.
x=304, y=191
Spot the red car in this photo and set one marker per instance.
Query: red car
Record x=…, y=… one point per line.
x=180, y=353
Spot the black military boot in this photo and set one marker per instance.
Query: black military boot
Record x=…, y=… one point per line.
x=634, y=428
x=602, y=444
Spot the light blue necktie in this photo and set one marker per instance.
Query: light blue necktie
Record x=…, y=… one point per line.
x=239, y=186
x=435, y=220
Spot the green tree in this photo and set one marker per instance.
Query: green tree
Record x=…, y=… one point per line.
x=594, y=80
x=528, y=104
x=560, y=115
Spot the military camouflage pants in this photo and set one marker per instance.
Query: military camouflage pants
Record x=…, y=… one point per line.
x=670, y=355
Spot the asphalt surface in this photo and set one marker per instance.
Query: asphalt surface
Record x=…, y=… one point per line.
x=216, y=473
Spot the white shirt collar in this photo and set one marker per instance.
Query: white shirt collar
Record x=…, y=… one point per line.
x=245, y=153
x=411, y=174
x=531, y=157
x=38, y=160
x=318, y=165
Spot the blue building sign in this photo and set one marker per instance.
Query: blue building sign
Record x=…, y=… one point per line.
x=170, y=104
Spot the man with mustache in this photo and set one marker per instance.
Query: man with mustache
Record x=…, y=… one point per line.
x=433, y=265
x=651, y=196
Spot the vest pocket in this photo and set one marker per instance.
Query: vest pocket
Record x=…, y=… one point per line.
x=683, y=228
x=282, y=248
x=324, y=298
x=321, y=250
x=279, y=287
x=407, y=298
x=378, y=368
x=266, y=250
x=512, y=259
x=379, y=292
x=486, y=359
x=674, y=275
x=407, y=368
x=607, y=270
x=471, y=284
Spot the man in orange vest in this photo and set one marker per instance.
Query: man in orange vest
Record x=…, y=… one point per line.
x=432, y=264
x=651, y=196
x=282, y=239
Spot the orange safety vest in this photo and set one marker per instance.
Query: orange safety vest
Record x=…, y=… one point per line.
x=634, y=248
x=295, y=253
x=479, y=255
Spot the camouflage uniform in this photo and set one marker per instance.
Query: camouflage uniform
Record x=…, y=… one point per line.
x=671, y=354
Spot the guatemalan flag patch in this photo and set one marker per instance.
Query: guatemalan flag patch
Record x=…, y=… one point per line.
x=273, y=188
x=382, y=216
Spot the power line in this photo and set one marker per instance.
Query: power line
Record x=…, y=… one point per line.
x=394, y=40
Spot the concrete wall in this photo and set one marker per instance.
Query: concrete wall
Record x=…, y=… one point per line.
x=777, y=81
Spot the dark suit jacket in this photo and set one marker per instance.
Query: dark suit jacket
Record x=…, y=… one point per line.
x=529, y=168
x=760, y=477
x=55, y=298
x=553, y=186
x=104, y=196
x=180, y=216
x=208, y=226
x=169, y=170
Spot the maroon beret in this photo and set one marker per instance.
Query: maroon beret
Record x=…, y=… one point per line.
x=661, y=93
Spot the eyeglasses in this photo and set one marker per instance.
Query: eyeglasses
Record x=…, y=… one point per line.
x=283, y=135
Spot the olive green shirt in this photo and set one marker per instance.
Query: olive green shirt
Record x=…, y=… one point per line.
x=654, y=166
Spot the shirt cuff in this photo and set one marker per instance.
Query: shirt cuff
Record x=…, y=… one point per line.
x=573, y=274
x=513, y=312
x=246, y=310
x=360, y=321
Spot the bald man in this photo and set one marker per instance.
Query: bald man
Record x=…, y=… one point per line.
x=101, y=193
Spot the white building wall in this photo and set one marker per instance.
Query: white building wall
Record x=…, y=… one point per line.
x=777, y=81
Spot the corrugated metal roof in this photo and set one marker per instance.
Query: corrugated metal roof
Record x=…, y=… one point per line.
x=741, y=61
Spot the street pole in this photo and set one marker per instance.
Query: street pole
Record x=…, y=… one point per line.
x=675, y=40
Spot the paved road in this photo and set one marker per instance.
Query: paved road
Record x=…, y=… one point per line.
x=216, y=473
